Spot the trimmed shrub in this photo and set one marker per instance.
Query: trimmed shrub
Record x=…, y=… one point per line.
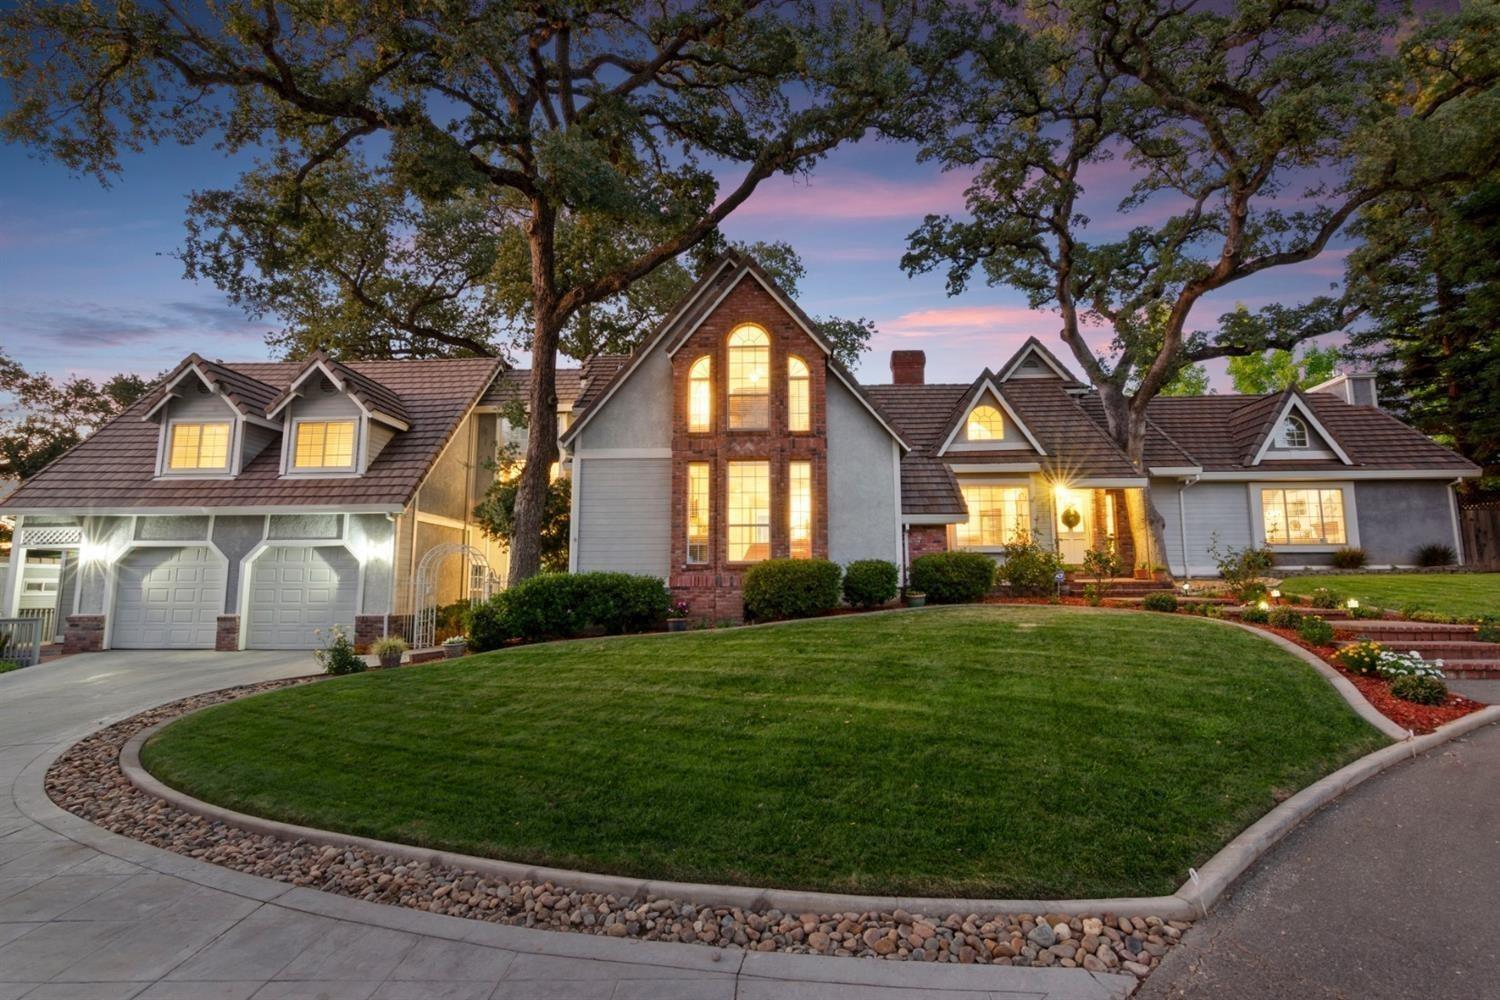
x=1436, y=554
x=1160, y=601
x=1350, y=558
x=1316, y=631
x=1030, y=570
x=489, y=626
x=1421, y=690
x=953, y=577
x=1323, y=597
x=791, y=588
x=563, y=605
x=869, y=583
x=1281, y=617
x=621, y=602
x=1256, y=616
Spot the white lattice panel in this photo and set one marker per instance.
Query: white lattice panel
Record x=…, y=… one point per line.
x=40, y=537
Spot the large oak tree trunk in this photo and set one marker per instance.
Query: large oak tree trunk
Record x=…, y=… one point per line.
x=1127, y=426
x=541, y=436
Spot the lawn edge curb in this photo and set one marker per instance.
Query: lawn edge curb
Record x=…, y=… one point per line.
x=1191, y=901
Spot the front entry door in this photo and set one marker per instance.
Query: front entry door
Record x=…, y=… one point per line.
x=1074, y=523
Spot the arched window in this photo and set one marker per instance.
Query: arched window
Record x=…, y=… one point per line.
x=749, y=378
x=1293, y=433
x=985, y=424
x=798, y=395
x=700, y=395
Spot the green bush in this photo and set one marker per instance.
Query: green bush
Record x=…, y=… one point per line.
x=1160, y=601
x=1103, y=564
x=489, y=626
x=6, y=666
x=869, y=583
x=1421, y=690
x=953, y=577
x=563, y=605
x=1413, y=613
x=1316, y=630
x=1030, y=569
x=790, y=588
x=1093, y=594
x=1437, y=554
x=1282, y=617
x=1323, y=597
x=1366, y=611
x=1241, y=569
x=1256, y=615
x=1361, y=658
x=1489, y=629
x=337, y=656
x=1350, y=557
x=621, y=602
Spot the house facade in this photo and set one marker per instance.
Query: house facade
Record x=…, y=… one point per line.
x=255, y=505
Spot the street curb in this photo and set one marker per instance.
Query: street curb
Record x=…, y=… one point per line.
x=1190, y=902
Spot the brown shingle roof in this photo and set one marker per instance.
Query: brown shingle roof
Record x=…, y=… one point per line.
x=514, y=387
x=371, y=394
x=247, y=395
x=114, y=467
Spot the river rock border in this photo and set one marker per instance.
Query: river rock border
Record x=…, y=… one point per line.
x=88, y=781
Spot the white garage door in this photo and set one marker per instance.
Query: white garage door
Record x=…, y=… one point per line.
x=296, y=590
x=168, y=598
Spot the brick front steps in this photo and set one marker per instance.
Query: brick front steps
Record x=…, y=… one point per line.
x=1462, y=654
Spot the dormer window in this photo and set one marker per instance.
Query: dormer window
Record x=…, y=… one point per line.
x=1293, y=433
x=323, y=444
x=198, y=447
x=985, y=424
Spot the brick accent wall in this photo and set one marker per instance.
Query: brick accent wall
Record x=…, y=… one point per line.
x=84, y=634
x=227, y=634
x=368, y=628
x=713, y=588
x=924, y=539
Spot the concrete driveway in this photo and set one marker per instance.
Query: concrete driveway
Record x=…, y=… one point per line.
x=88, y=915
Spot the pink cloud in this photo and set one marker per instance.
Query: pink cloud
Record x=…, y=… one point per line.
x=854, y=195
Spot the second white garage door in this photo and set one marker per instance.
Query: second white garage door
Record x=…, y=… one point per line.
x=168, y=598
x=296, y=590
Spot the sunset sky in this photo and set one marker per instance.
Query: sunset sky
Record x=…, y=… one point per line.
x=88, y=284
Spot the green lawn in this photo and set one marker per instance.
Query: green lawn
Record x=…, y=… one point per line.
x=982, y=751
x=1451, y=593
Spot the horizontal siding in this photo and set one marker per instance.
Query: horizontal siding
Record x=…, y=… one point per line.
x=624, y=515
x=1221, y=509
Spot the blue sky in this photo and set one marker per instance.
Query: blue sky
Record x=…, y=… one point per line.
x=88, y=285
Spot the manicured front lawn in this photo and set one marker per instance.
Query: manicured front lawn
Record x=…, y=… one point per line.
x=980, y=751
x=1451, y=593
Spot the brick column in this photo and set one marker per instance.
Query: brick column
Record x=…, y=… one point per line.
x=84, y=634
x=227, y=635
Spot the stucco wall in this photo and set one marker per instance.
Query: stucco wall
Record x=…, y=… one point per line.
x=370, y=537
x=445, y=490
x=1396, y=517
x=235, y=536
x=639, y=414
x=862, y=470
x=175, y=528
x=109, y=536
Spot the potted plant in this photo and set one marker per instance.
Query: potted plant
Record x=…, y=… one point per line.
x=915, y=598
x=677, y=616
x=455, y=646
x=388, y=650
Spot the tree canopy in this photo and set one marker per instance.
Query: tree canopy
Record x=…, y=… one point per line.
x=1275, y=370
x=44, y=417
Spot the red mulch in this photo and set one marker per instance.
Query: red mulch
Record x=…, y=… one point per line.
x=1377, y=691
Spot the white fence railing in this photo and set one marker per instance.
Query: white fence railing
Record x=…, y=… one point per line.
x=21, y=640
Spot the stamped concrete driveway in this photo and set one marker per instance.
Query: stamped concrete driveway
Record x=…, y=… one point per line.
x=88, y=915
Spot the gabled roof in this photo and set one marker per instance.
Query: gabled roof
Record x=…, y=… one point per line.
x=377, y=400
x=1035, y=348
x=114, y=468
x=983, y=386
x=719, y=280
x=248, y=396
x=1292, y=399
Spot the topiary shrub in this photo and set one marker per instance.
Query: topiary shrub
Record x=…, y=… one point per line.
x=1316, y=631
x=1350, y=557
x=1281, y=617
x=869, y=583
x=1160, y=601
x=790, y=588
x=953, y=577
x=1323, y=597
x=1029, y=569
x=1436, y=554
x=1256, y=616
x=621, y=602
x=1421, y=690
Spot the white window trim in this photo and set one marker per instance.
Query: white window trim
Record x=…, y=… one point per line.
x=1258, y=523
x=228, y=470
x=1305, y=412
x=290, y=468
x=1008, y=443
x=1007, y=483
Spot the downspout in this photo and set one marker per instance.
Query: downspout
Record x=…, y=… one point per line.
x=905, y=555
x=1458, y=539
x=391, y=596
x=1187, y=570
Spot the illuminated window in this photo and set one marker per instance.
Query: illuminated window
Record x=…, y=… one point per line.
x=324, y=444
x=749, y=510
x=697, y=512
x=700, y=395
x=985, y=424
x=749, y=378
x=997, y=515
x=198, y=446
x=1293, y=433
x=1303, y=517
x=799, y=519
x=798, y=395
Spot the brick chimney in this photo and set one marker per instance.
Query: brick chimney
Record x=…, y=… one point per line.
x=908, y=367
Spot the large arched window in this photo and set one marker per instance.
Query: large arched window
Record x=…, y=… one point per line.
x=701, y=395
x=985, y=424
x=749, y=378
x=798, y=395
x=1293, y=433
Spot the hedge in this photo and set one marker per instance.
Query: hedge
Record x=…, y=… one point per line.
x=563, y=605
x=791, y=588
x=953, y=577
x=869, y=583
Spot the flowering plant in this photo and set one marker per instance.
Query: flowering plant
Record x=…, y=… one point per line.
x=679, y=609
x=1371, y=659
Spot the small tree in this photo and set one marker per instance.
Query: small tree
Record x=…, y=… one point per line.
x=1102, y=563
x=45, y=417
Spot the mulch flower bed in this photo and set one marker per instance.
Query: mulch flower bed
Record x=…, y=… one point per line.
x=88, y=782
